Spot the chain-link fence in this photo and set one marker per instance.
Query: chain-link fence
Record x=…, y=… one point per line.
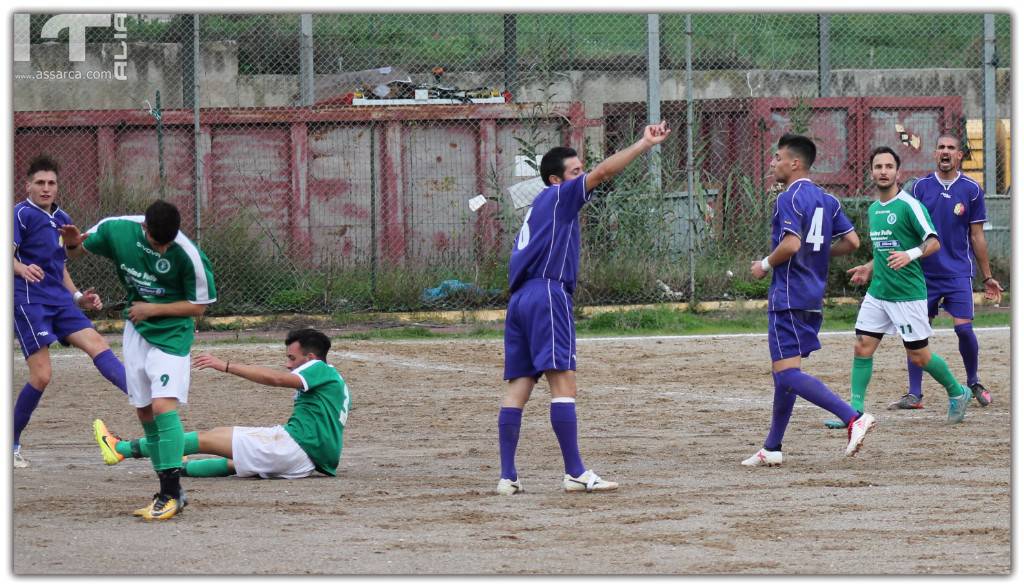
x=325, y=162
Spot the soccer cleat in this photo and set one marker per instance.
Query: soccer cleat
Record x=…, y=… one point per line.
x=856, y=433
x=981, y=394
x=588, y=481
x=141, y=512
x=835, y=424
x=907, y=401
x=958, y=407
x=19, y=460
x=508, y=487
x=763, y=457
x=164, y=507
x=107, y=442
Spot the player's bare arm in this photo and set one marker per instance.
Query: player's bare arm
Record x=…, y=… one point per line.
x=788, y=247
x=846, y=244
x=993, y=290
x=613, y=166
x=901, y=259
x=141, y=311
x=253, y=373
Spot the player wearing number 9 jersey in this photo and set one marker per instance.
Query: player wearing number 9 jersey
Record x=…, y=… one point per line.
x=168, y=281
x=540, y=336
x=805, y=222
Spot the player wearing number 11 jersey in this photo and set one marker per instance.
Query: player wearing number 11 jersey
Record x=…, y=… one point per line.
x=805, y=222
x=897, y=300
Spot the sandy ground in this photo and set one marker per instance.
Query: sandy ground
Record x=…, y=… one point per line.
x=670, y=419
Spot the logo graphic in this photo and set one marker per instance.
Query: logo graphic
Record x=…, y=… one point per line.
x=76, y=24
x=946, y=195
x=43, y=333
x=891, y=219
x=164, y=378
x=959, y=209
x=163, y=265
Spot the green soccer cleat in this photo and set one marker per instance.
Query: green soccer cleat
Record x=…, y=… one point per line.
x=107, y=442
x=835, y=424
x=958, y=406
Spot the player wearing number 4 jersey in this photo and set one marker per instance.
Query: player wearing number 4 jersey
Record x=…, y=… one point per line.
x=901, y=235
x=168, y=282
x=310, y=441
x=805, y=223
x=540, y=336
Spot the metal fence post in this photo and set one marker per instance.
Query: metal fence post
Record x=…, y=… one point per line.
x=990, y=114
x=689, y=151
x=824, y=65
x=306, y=92
x=197, y=134
x=654, y=93
x=511, y=57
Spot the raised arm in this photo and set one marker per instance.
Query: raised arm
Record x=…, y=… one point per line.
x=253, y=373
x=613, y=166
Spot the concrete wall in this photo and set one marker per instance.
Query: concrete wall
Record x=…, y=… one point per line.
x=153, y=66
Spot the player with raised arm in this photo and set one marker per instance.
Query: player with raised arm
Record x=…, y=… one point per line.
x=956, y=204
x=902, y=236
x=47, y=305
x=310, y=441
x=540, y=335
x=805, y=223
x=168, y=281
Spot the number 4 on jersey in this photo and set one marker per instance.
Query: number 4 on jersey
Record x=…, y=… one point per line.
x=814, y=236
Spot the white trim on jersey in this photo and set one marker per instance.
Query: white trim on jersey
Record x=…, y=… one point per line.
x=792, y=198
x=296, y=371
x=916, y=206
x=565, y=253
x=135, y=218
x=202, y=284
x=554, y=224
x=568, y=321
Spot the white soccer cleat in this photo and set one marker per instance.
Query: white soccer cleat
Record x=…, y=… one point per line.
x=19, y=461
x=856, y=433
x=763, y=457
x=508, y=487
x=588, y=481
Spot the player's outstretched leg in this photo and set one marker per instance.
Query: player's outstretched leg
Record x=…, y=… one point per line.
x=782, y=409
x=959, y=395
x=510, y=420
x=114, y=449
x=816, y=392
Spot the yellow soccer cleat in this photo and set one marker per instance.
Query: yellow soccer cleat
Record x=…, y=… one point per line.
x=164, y=507
x=142, y=512
x=107, y=442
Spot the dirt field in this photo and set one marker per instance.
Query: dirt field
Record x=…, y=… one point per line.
x=670, y=419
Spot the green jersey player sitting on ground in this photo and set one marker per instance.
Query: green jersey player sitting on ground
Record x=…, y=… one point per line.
x=897, y=300
x=310, y=441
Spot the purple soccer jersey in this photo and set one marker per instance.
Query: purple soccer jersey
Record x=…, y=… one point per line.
x=805, y=210
x=953, y=208
x=37, y=241
x=548, y=244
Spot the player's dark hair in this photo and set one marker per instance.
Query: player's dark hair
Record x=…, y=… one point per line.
x=310, y=341
x=42, y=163
x=801, y=146
x=553, y=163
x=163, y=221
x=948, y=135
x=881, y=150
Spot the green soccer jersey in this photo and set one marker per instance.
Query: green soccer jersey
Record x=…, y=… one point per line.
x=320, y=412
x=898, y=225
x=181, y=273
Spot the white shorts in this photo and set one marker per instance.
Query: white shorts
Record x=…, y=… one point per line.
x=909, y=319
x=151, y=373
x=268, y=452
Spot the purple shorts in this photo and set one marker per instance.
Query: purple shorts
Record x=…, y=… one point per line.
x=955, y=295
x=793, y=333
x=540, y=333
x=39, y=325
